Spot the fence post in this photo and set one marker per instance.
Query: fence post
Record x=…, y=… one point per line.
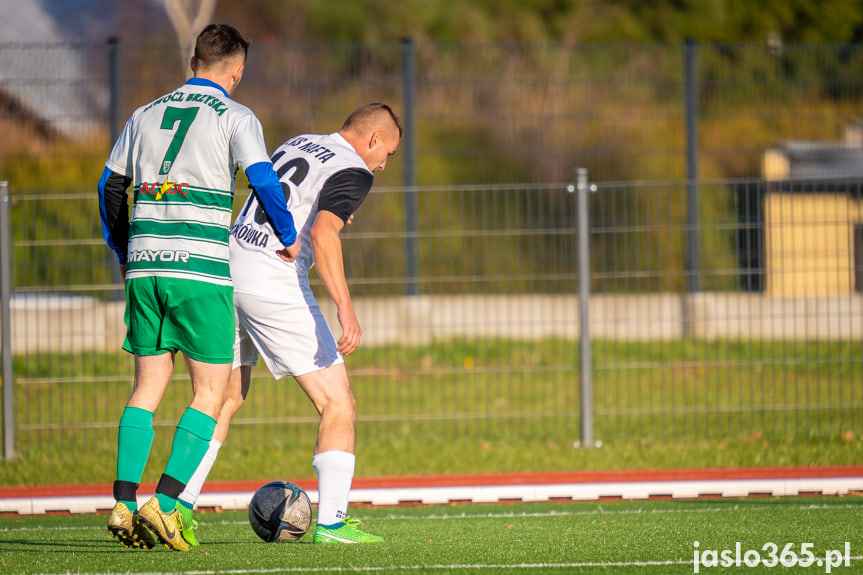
x=407, y=147
x=691, y=72
x=6, y=327
x=114, y=87
x=582, y=188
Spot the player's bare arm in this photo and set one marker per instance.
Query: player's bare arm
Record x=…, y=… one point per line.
x=327, y=249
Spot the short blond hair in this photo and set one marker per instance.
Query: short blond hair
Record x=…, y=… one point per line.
x=368, y=117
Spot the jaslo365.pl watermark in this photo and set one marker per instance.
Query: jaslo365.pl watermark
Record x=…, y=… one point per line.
x=771, y=556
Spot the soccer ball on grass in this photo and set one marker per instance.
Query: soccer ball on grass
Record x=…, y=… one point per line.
x=280, y=511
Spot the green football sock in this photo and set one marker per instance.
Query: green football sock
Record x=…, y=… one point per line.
x=191, y=441
x=134, y=440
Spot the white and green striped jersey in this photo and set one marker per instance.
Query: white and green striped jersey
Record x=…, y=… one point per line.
x=181, y=153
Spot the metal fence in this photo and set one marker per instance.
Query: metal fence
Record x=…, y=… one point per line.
x=478, y=113
x=769, y=345
x=725, y=269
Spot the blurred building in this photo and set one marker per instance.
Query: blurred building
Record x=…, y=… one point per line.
x=43, y=88
x=53, y=61
x=813, y=226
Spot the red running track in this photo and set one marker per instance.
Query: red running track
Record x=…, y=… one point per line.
x=548, y=478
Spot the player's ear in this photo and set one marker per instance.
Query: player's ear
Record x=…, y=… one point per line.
x=193, y=65
x=237, y=72
x=376, y=137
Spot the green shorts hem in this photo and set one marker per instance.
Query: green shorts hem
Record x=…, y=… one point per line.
x=190, y=354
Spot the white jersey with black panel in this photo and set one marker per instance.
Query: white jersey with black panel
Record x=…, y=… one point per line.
x=317, y=171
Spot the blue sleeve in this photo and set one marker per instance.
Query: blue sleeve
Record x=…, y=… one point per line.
x=269, y=190
x=114, y=211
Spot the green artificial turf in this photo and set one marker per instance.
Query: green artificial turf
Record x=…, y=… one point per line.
x=643, y=537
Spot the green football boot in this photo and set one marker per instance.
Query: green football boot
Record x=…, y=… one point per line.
x=346, y=532
x=187, y=525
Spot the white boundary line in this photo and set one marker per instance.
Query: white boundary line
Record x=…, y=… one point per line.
x=553, y=514
x=485, y=494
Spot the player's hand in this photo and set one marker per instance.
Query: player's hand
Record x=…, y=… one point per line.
x=351, y=332
x=291, y=252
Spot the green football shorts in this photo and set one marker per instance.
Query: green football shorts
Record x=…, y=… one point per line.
x=170, y=314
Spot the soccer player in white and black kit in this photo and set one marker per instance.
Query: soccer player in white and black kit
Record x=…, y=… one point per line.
x=180, y=154
x=326, y=178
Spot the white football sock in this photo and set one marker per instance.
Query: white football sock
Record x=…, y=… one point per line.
x=335, y=471
x=190, y=494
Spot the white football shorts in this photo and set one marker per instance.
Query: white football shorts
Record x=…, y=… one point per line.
x=291, y=335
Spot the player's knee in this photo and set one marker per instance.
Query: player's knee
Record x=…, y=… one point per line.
x=233, y=401
x=343, y=404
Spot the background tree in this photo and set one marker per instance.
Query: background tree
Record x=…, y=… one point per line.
x=189, y=17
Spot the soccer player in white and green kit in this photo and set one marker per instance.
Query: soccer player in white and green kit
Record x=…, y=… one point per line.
x=181, y=153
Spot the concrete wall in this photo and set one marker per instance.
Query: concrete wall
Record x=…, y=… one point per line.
x=92, y=325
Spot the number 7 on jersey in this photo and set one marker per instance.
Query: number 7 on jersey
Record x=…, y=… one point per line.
x=185, y=116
